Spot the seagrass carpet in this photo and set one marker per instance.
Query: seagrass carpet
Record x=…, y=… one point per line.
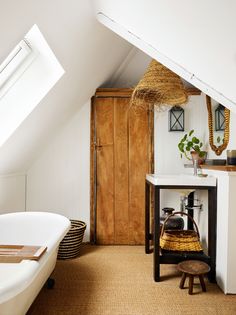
x=118, y=280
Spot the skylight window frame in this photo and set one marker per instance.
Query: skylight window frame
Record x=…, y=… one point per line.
x=15, y=65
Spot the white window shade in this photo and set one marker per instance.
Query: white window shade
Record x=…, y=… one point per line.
x=14, y=65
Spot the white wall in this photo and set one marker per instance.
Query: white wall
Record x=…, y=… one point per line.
x=89, y=53
x=195, y=39
x=12, y=193
x=59, y=180
x=167, y=155
x=131, y=70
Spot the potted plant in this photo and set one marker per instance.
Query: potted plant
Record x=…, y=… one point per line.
x=191, y=147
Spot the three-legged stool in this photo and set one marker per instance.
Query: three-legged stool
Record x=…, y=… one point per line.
x=192, y=268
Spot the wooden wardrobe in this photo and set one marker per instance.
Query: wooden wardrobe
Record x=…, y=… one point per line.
x=121, y=156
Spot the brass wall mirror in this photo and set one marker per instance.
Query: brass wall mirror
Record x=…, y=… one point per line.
x=218, y=142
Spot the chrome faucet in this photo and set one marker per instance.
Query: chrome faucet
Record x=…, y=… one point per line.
x=184, y=204
x=195, y=167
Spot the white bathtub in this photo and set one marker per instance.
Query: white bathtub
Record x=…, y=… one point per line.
x=21, y=282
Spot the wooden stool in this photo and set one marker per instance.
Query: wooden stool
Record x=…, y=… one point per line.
x=192, y=268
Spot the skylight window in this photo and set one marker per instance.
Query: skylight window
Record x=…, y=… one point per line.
x=14, y=65
x=26, y=76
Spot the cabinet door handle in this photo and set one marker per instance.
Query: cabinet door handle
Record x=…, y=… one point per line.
x=98, y=144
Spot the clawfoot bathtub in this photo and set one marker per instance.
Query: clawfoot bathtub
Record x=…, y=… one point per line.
x=21, y=282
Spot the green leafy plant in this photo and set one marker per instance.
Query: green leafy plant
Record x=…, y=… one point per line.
x=190, y=143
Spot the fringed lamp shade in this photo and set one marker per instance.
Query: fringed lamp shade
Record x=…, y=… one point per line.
x=159, y=86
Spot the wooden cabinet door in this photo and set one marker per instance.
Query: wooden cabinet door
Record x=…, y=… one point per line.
x=105, y=216
x=139, y=166
x=122, y=151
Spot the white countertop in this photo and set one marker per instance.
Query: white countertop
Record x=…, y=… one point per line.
x=219, y=173
x=180, y=180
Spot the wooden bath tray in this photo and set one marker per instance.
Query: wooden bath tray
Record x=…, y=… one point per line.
x=16, y=253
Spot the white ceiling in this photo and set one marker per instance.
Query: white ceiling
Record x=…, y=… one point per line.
x=193, y=38
x=88, y=52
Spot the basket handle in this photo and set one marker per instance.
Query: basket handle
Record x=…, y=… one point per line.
x=179, y=212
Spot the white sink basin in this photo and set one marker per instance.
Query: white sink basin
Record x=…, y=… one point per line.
x=180, y=180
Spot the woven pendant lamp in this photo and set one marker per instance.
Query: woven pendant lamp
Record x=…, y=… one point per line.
x=160, y=87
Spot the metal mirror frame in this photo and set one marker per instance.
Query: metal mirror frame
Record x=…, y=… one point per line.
x=217, y=149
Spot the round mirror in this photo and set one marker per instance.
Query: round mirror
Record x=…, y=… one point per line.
x=218, y=123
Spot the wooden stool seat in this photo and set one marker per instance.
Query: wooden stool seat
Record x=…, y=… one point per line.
x=192, y=268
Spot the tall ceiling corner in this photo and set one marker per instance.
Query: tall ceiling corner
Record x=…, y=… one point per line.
x=184, y=37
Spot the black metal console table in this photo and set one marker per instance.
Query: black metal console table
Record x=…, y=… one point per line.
x=176, y=257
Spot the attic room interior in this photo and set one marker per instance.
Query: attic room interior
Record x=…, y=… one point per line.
x=117, y=157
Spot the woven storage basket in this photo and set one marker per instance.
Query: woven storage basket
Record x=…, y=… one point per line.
x=71, y=243
x=180, y=240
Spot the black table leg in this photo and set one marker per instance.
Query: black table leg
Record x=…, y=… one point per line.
x=190, y=211
x=147, y=219
x=156, y=243
x=212, y=221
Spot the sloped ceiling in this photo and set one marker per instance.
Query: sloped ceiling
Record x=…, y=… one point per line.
x=195, y=39
x=88, y=52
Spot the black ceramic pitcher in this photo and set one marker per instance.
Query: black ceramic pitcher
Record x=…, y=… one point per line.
x=174, y=223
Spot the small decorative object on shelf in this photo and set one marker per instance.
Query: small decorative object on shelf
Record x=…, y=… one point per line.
x=176, y=119
x=220, y=118
x=231, y=157
x=174, y=223
x=215, y=162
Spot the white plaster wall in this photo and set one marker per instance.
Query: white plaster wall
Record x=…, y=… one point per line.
x=131, y=69
x=89, y=53
x=193, y=38
x=59, y=179
x=12, y=193
x=231, y=255
x=167, y=155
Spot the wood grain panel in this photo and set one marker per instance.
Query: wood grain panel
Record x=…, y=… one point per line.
x=124, y=154
x=105, y=176
x=138, y=167
x=121, y=171
x=92, y=172
x=126, y=92
x=224, y=168
x=112, y=92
